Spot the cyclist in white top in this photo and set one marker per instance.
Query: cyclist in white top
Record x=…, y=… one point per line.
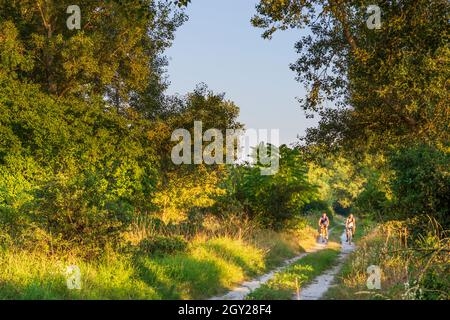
x=350, y=226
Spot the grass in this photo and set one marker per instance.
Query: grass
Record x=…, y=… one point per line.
x=202, y=271
x=281, y=246
x=207, y=267
x=26, y=275
x=406, y=273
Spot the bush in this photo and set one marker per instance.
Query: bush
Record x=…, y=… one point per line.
x=274, y=199
x=161, y=245
x=422, y=182
x=317, y=207
x=73, y=169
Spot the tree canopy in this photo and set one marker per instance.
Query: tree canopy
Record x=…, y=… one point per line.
x=370, y=87
x=117, y=53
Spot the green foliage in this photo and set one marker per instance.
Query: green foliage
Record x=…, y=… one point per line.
x=390, y=84
x=421, y=183
x=272, y=199
x=372, y=198
x=115, y=54
x=317, y=207
x=187, y=187
x=436, y=282
x=375, y=91
x=76, y=159
x=76, y=170
x=207, y=268
x=160, y=245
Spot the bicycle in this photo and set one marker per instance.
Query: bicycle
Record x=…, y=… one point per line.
x=349, y=234
x=324, y=233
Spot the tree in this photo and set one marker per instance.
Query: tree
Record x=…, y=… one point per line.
x=69, y=168
x=188, y=187
x=421, y=183
x=116, y=54
x=387, y=85
x=276, y=199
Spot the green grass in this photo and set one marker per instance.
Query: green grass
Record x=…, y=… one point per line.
x=205, y=269
x=284, y=284
x=281, y=246
x=36, y=276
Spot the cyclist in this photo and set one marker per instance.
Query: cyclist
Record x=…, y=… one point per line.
x=324, y=222
x=350, y=226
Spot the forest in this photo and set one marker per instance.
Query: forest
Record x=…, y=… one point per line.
x=87, y=178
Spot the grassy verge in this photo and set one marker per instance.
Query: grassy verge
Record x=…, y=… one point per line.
x=411, y=268
x=207, y=267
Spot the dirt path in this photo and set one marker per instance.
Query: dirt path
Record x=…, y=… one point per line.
x=240, y=292
x=322, y=283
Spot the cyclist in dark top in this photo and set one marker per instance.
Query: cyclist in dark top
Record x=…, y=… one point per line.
x=324, y=222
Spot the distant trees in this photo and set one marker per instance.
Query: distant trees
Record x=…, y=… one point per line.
x=274, y=200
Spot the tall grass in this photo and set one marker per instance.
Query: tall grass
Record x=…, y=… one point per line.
x=213, y=262
x=414, y=260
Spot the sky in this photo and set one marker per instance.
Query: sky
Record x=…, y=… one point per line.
x=219, y=46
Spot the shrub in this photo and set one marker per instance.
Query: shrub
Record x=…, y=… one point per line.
x=160, y=245
x=273, y=199
x=317, y=207
x=422, y=182
x=70, y=168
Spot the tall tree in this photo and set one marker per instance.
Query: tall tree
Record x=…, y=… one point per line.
x=115, y=54
x=386, y=85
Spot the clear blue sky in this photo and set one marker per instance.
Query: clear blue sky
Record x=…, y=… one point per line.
x=219, y=46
